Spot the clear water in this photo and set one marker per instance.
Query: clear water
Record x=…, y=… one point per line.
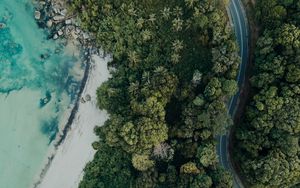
x=38, y=81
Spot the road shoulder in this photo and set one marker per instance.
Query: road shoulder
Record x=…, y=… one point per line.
x=245, y=92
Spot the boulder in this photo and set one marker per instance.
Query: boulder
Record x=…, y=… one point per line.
x=63, y=12
x=60, y=32
x=78, y=30
x=55, y=37
x=42, y=3
x=37, y=15
x=55, y=9
x=85, y=36
x=58, y=18
x=49, y=23
x=68, y=22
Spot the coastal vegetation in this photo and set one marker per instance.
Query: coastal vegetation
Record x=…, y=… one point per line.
x=267, y=140
x=172, y=75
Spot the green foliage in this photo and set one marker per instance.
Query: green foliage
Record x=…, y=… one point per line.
x=173, y=73
x=268, y=137
x=272, y=13
x=221, y=178
x=110, y=168
x=207, y=155
x=147, y=179
x=213, y=89
x=142, y=162
x=202, y=181
x=229, y=87
x=189, y=168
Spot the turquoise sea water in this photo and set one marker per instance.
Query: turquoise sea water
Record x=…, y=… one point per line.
x=39, y=80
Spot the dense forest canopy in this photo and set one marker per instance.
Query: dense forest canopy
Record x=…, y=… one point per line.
x=173, y=71
x=268, y=137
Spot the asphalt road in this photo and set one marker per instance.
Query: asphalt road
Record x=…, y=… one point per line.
x=239, y=22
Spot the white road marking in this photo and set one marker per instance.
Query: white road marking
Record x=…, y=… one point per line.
x=241, y=36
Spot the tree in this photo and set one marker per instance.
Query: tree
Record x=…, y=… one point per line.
x=166, y=13
x=190, y=3
x=189, y=168
x=202, y=181
x=142, y=162
x=270, y=13
x=163, y=151
x=213, y=89
x=229, y=87
x=207, y=155
x=221, y=178
x=177, y=24
x=111, y=168
x=268, y=149
x=168, y=91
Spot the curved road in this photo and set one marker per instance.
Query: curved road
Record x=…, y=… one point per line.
x=239, y=23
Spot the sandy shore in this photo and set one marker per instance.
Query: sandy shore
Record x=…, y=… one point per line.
x=71, y=156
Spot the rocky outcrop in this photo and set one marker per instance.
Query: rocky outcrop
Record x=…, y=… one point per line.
x=61, y=24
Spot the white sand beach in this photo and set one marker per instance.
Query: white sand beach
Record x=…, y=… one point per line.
x=66, y=169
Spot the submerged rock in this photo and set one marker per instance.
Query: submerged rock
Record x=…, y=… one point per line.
x=2, y=25
x=45, y=56
x=44, y=101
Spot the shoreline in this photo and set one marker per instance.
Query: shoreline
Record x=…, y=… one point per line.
x=65, y=129
x=83, y=123
x=68, y=29
x=76, y=106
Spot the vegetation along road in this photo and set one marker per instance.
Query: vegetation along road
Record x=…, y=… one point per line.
x=240, y=25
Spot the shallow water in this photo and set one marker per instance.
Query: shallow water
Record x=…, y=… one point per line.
x=39, y=81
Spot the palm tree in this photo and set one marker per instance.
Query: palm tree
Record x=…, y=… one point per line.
x=177, y=45
x=132, y=11
x=177, y=24
x=160, y=70
x=166, y=13
x=134, y=88
x=175, y=57
x=190, y=3
x=146, y=77
x=197, y=13
x=133, y=57
x=146, y=34
x=188, y=23
x=140, y=23
x=178, y=11
x=152, y=18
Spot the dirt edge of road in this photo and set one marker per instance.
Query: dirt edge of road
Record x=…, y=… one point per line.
x=246, y=93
